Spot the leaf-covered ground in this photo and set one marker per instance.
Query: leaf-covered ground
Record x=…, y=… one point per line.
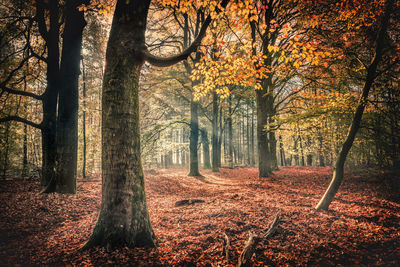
x=361, y=228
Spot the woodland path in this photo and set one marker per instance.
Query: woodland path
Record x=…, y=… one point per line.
x=361, y=227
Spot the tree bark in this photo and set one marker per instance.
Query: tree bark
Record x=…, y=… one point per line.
x=214, y=138
x=194, y=139
x=206, y=148
x=123, y=219
x=84, y=119
x=263, y=144
x=355, y=124
x=67, y=120
x=230, y=134
x=49, y=101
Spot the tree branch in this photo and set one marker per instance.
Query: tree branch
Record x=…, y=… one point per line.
x=23, y=93
x=19, y=119
x=168, y=61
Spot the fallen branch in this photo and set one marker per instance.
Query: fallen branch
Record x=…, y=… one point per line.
x=186, y=202
x=227, y=246
x=254, y=239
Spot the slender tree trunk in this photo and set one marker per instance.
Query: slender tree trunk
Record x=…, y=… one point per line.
x=214, y=138
x=355, y=124
x=123, y=219
x=194, y=139
x=206, y=148
x=230, y=134
x=25, y=147
x=295, y=149
x=253, y=157
x=6, y=149
x=301, y=151
x=309, y=155
x=282, y=153
x=247, y=135
x=320, y=152
x=84, y=120
x=220, y=134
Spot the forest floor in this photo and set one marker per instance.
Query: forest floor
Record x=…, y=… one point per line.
x=361, y=227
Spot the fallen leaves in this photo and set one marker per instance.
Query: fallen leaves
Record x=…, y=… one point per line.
x=360, y=229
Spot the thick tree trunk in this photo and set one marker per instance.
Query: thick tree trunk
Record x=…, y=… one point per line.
x=194, y=139
x=264, y=159
x=67, y=121
x=214, y=138
x=355, y=124
x=206, y=148
x=123, y=219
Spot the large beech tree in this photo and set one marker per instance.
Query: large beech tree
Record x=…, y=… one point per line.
x=123, y=218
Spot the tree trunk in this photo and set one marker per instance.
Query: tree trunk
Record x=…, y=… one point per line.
x=123, y=219
x=253, y=157
x=355, y=124
x=320, y=152
x=214, y=138
x=230, y=134
x=194, y=139
x=282, y=152
x=49, y=101
x=25, y=147
x=67, y=121
x=6, y=150
x=84, y=120
x=247, y=135
x=264, y=159
x=220, y=134
x=206, y=148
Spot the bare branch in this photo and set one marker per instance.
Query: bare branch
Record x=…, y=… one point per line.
x=168, y=61
x=19, y=119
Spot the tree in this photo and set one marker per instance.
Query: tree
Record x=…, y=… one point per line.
x=355, y=125
x=62, y=77
x=123, y=218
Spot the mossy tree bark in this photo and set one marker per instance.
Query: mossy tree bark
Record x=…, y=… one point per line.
x=355, y=125
x=123, y=218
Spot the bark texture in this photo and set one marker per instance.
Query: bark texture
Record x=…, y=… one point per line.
x=194, y=139
x=64, y=180
x=123, y=218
